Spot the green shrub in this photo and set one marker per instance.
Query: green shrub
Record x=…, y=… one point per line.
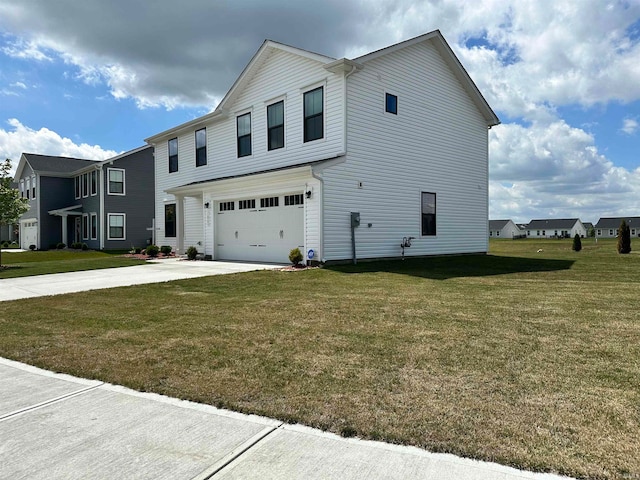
x=191, y=253
x=60, y=246
x=85, y=246
x=137, y=250
x=295, y=256
x=165, y=249
x=152, y=250
x=577, y=243
x=5, y=244
x=624, y=238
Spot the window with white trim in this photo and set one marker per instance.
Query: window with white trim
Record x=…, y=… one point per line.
x=33, y=187
x=297, y=199
x=226, y=206
x=246, y=204
x=115, y=181
x=117, y=223
x=314, y=114
x=170, y=220
x=28, y=188
x=243, y=123
x=94, y=226
x=94, y=183
x=85, y=226
x=275, y=125
x=77, y=185
x=201, y=147
x=428, y=214
x=173, y=155
x=85, y=185
x=269, y=202
x=21, y=188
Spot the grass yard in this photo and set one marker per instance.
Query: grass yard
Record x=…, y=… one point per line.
x=524, y=358
x=25, y=264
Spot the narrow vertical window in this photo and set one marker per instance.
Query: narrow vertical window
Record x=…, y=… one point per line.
x=244, y=134
x=94, y=182
x=428, y=214
x=33, y=187
x=85, y=184
x=85, y=226
x=275, y=125
x=201, y=147
x=170, y=220
x=391, y=104
x=173, y=155
x=28, y=188
x=314, y=114
x=94, y=226
x=77, y=184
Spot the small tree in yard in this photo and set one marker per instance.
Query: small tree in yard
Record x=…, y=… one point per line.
x=577, y=243
x=11, y=205
x=624, y=238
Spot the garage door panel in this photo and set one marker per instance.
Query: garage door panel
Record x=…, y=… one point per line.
x=263, y=234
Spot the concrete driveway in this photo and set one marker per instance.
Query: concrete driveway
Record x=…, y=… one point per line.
x=153, y=272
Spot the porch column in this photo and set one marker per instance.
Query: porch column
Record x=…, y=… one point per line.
x=64, y=230
x=179, y=224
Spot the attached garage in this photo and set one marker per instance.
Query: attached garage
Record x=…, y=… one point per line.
x=262, y=229
x=28, y=233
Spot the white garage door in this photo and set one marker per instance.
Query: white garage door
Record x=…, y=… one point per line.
x=28, y=234
x=260, y=229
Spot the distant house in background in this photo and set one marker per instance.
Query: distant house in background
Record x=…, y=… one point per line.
x=588, y=226
x=503, y=229
x=105, y=204
x=608, y=227
x=554, y=228
x=8, y=233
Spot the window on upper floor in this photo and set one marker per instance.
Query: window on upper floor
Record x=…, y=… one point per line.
x=243, y=123
x=275, y=125
x=21, y=188
x=428, y=214
x=33, y=187
x=117, y=222
x=77, y=185
x=314, y=114
x=201, y=147
x=170, y=220
x=115, y=178
x=85, y=184
x=173, y=155
x=28, y=188
x=94, y=182
x=391, y=104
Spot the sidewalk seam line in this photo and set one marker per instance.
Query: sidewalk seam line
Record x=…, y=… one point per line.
x=208, y=475
x=48, y=402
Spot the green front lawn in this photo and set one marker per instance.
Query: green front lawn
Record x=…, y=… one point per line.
x=528, y=359
x=24, y=264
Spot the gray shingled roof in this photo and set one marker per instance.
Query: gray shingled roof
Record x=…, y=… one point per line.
x=497, y=224
x=48, y=163
x=553, y=223
x=614, y=222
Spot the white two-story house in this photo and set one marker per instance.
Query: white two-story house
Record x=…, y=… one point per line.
x=343, y=158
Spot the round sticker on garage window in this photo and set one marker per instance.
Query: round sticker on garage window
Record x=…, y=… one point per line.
x=311, y=254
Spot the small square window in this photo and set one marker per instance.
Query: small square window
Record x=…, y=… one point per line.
x=391, y=104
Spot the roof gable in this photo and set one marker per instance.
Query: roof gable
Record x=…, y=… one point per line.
x=49, y=164
x=443, y=48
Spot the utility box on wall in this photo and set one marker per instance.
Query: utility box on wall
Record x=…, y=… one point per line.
x=355, y=219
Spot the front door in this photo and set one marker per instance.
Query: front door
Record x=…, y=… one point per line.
x=77, y=235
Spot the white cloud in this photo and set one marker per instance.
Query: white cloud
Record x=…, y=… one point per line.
x=19, y=139
x=553, y=170
x=630, y=126
x=26, y=49
x=19, y=85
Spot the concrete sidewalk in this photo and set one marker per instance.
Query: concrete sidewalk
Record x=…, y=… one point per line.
x=54, y=426
x=152, y=272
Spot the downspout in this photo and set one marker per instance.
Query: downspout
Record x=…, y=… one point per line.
x=101, y=216
x=344, y=94
x=321, y=180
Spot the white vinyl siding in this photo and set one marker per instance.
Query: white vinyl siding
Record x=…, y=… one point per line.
x=436, y=143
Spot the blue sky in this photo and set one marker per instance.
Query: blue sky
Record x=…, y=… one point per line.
x=91, y=79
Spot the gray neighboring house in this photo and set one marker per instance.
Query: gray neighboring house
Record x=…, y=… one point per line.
x=608, y=227
x=556, y=228
x=504, y=229
x=107, y=204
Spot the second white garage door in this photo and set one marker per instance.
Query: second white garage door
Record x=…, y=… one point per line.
x=260, y=229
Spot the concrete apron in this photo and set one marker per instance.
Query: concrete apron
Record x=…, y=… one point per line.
x=152, y=272
x=55, y=426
